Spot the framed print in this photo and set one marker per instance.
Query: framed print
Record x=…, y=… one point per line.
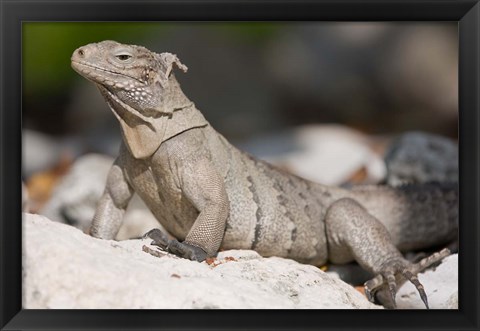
x=137, y=143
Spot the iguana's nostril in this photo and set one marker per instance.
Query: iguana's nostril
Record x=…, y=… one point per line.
x=81, y=52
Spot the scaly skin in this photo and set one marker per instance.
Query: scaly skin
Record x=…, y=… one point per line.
x=210, y=195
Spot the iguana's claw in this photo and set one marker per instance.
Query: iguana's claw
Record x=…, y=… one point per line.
x=393, y=275
x=173, y=246
x=414, y=280
x=392, y=286
x=160, y=239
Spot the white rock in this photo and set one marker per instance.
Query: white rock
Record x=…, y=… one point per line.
x=25, y=205
x=327, y=154
x=64, y=268
x=39, y=152
x=441, y=287
x=75, y=198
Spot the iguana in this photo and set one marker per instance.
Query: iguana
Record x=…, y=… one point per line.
x=210, y=195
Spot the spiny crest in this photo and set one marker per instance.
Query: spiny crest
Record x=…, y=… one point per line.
x=167, y=60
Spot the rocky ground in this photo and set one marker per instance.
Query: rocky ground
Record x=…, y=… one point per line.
x=63, y=268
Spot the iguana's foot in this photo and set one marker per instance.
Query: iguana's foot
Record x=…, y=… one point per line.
x=160, y=238
x=181, y=249
x=384, y=285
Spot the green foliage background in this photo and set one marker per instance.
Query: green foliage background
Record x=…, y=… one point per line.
x=47, y=47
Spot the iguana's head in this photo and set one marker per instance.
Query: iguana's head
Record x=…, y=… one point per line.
x=129, y=75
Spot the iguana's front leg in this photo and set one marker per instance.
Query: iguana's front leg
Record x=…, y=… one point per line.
x=204, y=187
x=173, y=246
x=111, y=207
x=353, y=233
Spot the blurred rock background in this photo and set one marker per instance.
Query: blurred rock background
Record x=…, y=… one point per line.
x=323, y=100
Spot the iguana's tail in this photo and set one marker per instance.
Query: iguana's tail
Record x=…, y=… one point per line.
x=437, y=218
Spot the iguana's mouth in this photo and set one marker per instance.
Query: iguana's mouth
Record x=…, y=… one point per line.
x=90, y=71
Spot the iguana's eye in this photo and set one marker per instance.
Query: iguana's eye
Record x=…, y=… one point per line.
x=123, y=57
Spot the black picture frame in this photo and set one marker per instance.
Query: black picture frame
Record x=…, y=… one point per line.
x=14, y=12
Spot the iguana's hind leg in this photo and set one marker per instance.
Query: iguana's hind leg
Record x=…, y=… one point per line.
x=354, y=234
